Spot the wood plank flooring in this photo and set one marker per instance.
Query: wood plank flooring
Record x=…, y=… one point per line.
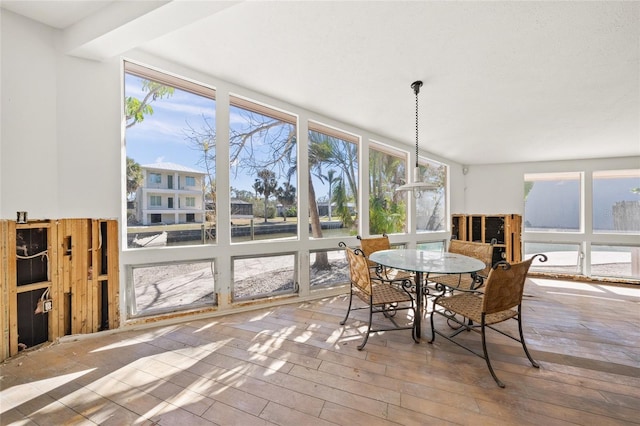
x=295, y=365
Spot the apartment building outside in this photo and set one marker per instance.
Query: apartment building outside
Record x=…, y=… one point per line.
x=170, y=194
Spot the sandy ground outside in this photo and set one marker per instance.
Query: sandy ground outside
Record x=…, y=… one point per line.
x=177, y=286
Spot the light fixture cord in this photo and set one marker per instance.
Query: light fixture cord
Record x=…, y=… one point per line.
x=416, y=91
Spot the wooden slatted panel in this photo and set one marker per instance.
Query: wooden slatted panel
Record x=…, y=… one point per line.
x=81, y=299
x=515, y=233
x=4, y=291
x=113, y=272
x=56, y=315
x=95, y=306
x=12, y=289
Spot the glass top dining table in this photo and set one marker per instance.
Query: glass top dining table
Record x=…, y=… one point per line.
x=422, y=263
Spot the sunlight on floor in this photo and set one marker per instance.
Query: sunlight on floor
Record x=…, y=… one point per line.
x=20, y=394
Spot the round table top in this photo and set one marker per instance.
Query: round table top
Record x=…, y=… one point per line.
x=416, y=260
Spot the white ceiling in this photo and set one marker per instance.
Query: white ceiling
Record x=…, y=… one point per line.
x=505, y=81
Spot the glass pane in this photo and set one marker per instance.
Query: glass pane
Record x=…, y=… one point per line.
x=170, y=143
x=616, y=201
x=562, y=258
x=258, y=277
x=435, y=246
x=387, y=207
x=172, y=287
x=552, y=202
x=333, y=164
x=615, y=261
x=328, y=268
x=263, y=170
x=430, y=205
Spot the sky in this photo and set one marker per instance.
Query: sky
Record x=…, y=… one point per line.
x=162, y=136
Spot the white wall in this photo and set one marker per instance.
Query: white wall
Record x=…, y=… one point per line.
x=29, y=170
x=495, y=189
x=60, y=128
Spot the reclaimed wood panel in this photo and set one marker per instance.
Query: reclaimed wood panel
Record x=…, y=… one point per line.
x=113, y=273
x=12, y=288
x=4, y=291
x=75, y=252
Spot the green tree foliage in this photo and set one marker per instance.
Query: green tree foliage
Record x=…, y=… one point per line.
x=433, y=211
x=135, y=112
x=387, y=208
x=286, y=195
x=134, y=177
x=241, y=194
x=265, y=184
x=341, y=199
x=136, y=109
x=528, y=186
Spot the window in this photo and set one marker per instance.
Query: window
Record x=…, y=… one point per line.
x=161, y=288
x=263, y=169
x=387, y=207
x=333, y=165
x=190, y=201
x=561, y=258
x=336, y=274
x=615, y=261
x=265, y=276
x=616, y=201
x=552, y=202
x=155, y=178
x=435, y=246
x=431, y=205
x=191, y=217
x=170, y=131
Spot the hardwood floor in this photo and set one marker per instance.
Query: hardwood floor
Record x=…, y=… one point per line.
x=295, y=365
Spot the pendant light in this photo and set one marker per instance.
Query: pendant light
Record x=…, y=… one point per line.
x=417, y=185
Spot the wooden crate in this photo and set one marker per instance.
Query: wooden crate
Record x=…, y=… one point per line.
x=504, y=230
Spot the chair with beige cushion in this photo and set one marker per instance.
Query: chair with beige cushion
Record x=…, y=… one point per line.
x=373, y=244
x=379, y=295
x=481, y=251
x=500, y=301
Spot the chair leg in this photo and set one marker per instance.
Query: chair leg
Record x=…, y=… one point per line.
x=524, y=346
x=433, y=333
x=486, y=355
x=366, y=335
x=348, y=309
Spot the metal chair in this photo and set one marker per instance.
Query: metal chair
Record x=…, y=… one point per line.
x=373, y=244
x=379, y=295
x=481, y=251
x=500, y=301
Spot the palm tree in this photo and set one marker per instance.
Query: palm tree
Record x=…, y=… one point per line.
x=330, y=180
x=134, y=177
x=286, y=196
x=266, y=185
